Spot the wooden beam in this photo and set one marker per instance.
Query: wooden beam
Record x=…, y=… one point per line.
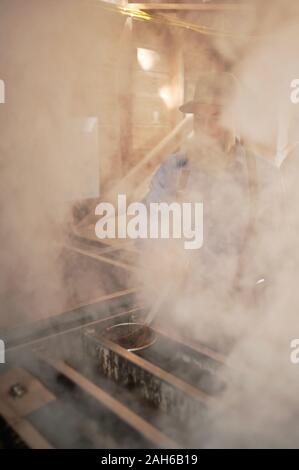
x=23, y=428
x=113, y=262
x=53, y=336
x=15, y=411
x=188, y=6
x=125, y=94
x=116, y=407
x=152, y=159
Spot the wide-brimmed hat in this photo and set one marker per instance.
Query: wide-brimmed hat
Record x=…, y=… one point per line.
x=211, y=88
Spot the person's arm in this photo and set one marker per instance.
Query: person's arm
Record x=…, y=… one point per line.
x=163, y=185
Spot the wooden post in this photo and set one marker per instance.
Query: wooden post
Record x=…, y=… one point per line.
x=125, y=93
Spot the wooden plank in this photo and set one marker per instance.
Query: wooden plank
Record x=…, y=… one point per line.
x=113, y=262
x=35, y=397
x=189, y=6
x=15, y=409
x=145, y=167
x=125, y=414
x=125, y=97
x=24, y=428
x=38, y=341
x=113, y=295
x=87, y=232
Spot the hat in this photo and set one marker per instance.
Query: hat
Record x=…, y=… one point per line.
x=211, y=88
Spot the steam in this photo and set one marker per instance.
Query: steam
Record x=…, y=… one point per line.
x=56, y=63
x=259, y=407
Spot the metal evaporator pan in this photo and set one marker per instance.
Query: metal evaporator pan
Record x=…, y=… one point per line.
x=131, y=336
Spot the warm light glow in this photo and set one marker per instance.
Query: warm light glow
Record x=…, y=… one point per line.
x=169, y=96
x=147, y=58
